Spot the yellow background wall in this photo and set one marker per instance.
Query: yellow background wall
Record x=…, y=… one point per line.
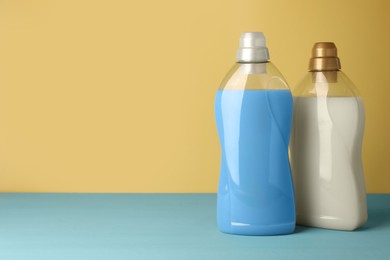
x=117, y=96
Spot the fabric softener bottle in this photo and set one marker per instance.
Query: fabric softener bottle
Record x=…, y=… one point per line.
x=253, y=110
x=326, y=145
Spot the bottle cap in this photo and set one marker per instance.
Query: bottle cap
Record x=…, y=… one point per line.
x=252, y=48
x=324, y=57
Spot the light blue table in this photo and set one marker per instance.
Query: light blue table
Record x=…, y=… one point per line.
x=165, y=226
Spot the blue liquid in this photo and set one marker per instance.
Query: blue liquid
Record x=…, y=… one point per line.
x=255, y=193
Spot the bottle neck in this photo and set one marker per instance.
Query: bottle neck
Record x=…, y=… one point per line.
x=324, y=76
x=253, y=67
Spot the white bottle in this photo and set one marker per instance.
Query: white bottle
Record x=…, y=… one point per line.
x=326, y=144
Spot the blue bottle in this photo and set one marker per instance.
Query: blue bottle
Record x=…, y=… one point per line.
x=253, y=110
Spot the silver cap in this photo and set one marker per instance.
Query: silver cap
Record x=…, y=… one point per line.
x=252, y=48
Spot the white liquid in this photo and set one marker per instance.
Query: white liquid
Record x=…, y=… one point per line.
x=326, y=144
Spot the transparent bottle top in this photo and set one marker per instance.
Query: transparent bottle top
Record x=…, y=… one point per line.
x=326, y=84
x=254, y=76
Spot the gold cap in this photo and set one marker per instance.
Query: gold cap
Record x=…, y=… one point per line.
x=324, y=57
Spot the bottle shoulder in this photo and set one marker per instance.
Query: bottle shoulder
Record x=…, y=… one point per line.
x=326, y=84
x=254, y=76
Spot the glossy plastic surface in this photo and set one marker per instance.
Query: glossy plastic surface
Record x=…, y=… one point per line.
x=326, y=144
x=254, y=115
x=254, y=76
